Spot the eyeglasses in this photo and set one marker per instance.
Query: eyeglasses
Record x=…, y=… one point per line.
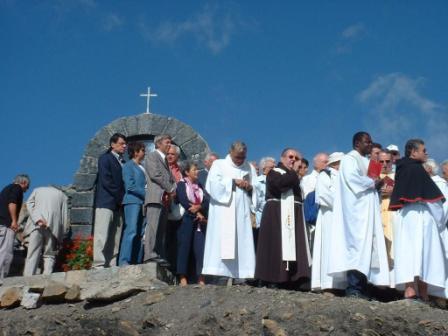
x=293, y=157
x=384, y=161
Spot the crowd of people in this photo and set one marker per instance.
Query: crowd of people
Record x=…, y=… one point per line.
x=367, y=216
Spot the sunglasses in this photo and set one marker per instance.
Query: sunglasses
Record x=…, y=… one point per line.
x=384, y=161
x=293, y=157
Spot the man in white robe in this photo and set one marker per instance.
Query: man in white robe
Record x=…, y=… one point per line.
x=419, y=227
x=229, y=246
x=320, y=280
x=47, y=223
x=357, y=244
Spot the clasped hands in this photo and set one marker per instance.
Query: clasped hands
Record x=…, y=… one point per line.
x=243, y=184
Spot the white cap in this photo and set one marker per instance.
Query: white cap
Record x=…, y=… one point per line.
x=335, y=157
x=392, y=148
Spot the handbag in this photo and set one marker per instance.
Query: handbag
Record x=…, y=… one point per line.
x=175, y=211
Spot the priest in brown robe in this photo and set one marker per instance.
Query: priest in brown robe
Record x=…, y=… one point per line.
x=283, y=255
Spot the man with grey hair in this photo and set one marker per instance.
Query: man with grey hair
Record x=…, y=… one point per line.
x=308, y=183
x=229, y=245
x=444, y=167
x=45, y=228
x=208, y=161
x=11, y=199
x=266, y=165
x=161, y=190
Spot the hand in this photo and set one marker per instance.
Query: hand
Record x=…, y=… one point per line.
x=200, y=217
x=379, y=183
x=386, y=190
x=42, y=223
x=14, y=226
x=239, y=183
x=194, y=208
x=172, y=194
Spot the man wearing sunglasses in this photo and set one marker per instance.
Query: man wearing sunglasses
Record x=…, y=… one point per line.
x=283, y=254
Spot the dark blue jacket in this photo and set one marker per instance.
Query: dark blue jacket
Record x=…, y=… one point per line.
x=109, y=183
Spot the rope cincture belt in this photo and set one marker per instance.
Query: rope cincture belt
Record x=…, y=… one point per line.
x=278, y=200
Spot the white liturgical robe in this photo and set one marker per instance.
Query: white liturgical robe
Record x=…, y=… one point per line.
x=229, y=246
x=357, y=232
x=422, y=243
x=322, y=237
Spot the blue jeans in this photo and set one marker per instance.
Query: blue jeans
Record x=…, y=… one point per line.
x=131, y=242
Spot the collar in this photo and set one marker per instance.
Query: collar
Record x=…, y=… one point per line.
x=117, y=156
x=161, y=154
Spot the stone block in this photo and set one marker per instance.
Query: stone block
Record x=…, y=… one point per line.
x=132, y=126
x=75, y=277
x=144, y=122
x=83, y=231
x=95, y=149
x=113, y=293
x=88, y=165
x=81, y=215
x=84, y=182
x=184, y=134
x=11, y=297
x=73, y=293
x=57, y=277
x=102, y=136
x=117, y=126
x=195, y=146
x=30, y=300
x=172, y=126
x=54, y=292
x=83, y=199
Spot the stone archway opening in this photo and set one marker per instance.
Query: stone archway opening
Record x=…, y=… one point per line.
x=143, y=127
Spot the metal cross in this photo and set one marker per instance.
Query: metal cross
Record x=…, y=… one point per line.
x=148, y=98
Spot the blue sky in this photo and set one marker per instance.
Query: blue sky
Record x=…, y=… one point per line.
x=274, y=74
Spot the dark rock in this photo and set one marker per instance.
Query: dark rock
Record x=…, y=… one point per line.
x=81, y=215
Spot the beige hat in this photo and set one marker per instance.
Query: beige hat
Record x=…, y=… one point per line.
x=335, y=157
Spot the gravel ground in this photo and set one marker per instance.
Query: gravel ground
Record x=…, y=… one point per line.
x=236, y=310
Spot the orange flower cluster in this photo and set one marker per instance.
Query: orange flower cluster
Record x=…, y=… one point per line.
x=76, y=254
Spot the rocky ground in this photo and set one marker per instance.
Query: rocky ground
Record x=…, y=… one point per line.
x=220, y=310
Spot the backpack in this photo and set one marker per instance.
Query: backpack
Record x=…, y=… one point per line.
x=310, y=208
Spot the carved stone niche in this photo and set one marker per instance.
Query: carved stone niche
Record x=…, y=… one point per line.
x=143, y=127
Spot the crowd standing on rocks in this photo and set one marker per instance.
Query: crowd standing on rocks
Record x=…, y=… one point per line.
x=361, y=218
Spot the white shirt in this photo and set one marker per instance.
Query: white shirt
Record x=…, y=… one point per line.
x=308, y=182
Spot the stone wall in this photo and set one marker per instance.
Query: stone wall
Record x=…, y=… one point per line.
x=192, y=145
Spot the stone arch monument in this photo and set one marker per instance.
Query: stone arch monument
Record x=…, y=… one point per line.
x=141, y=127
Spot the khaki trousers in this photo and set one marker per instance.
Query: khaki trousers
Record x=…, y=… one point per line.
x=6, y=250
x=155, y=232
x=106, y=237
x=41, y=243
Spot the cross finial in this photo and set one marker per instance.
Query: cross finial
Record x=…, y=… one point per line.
x=148, y=98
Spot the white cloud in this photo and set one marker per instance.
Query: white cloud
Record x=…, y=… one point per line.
x=349, y=36
x=353, y=32
x=213, y=27
x=396, y=111
x=112, y=21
